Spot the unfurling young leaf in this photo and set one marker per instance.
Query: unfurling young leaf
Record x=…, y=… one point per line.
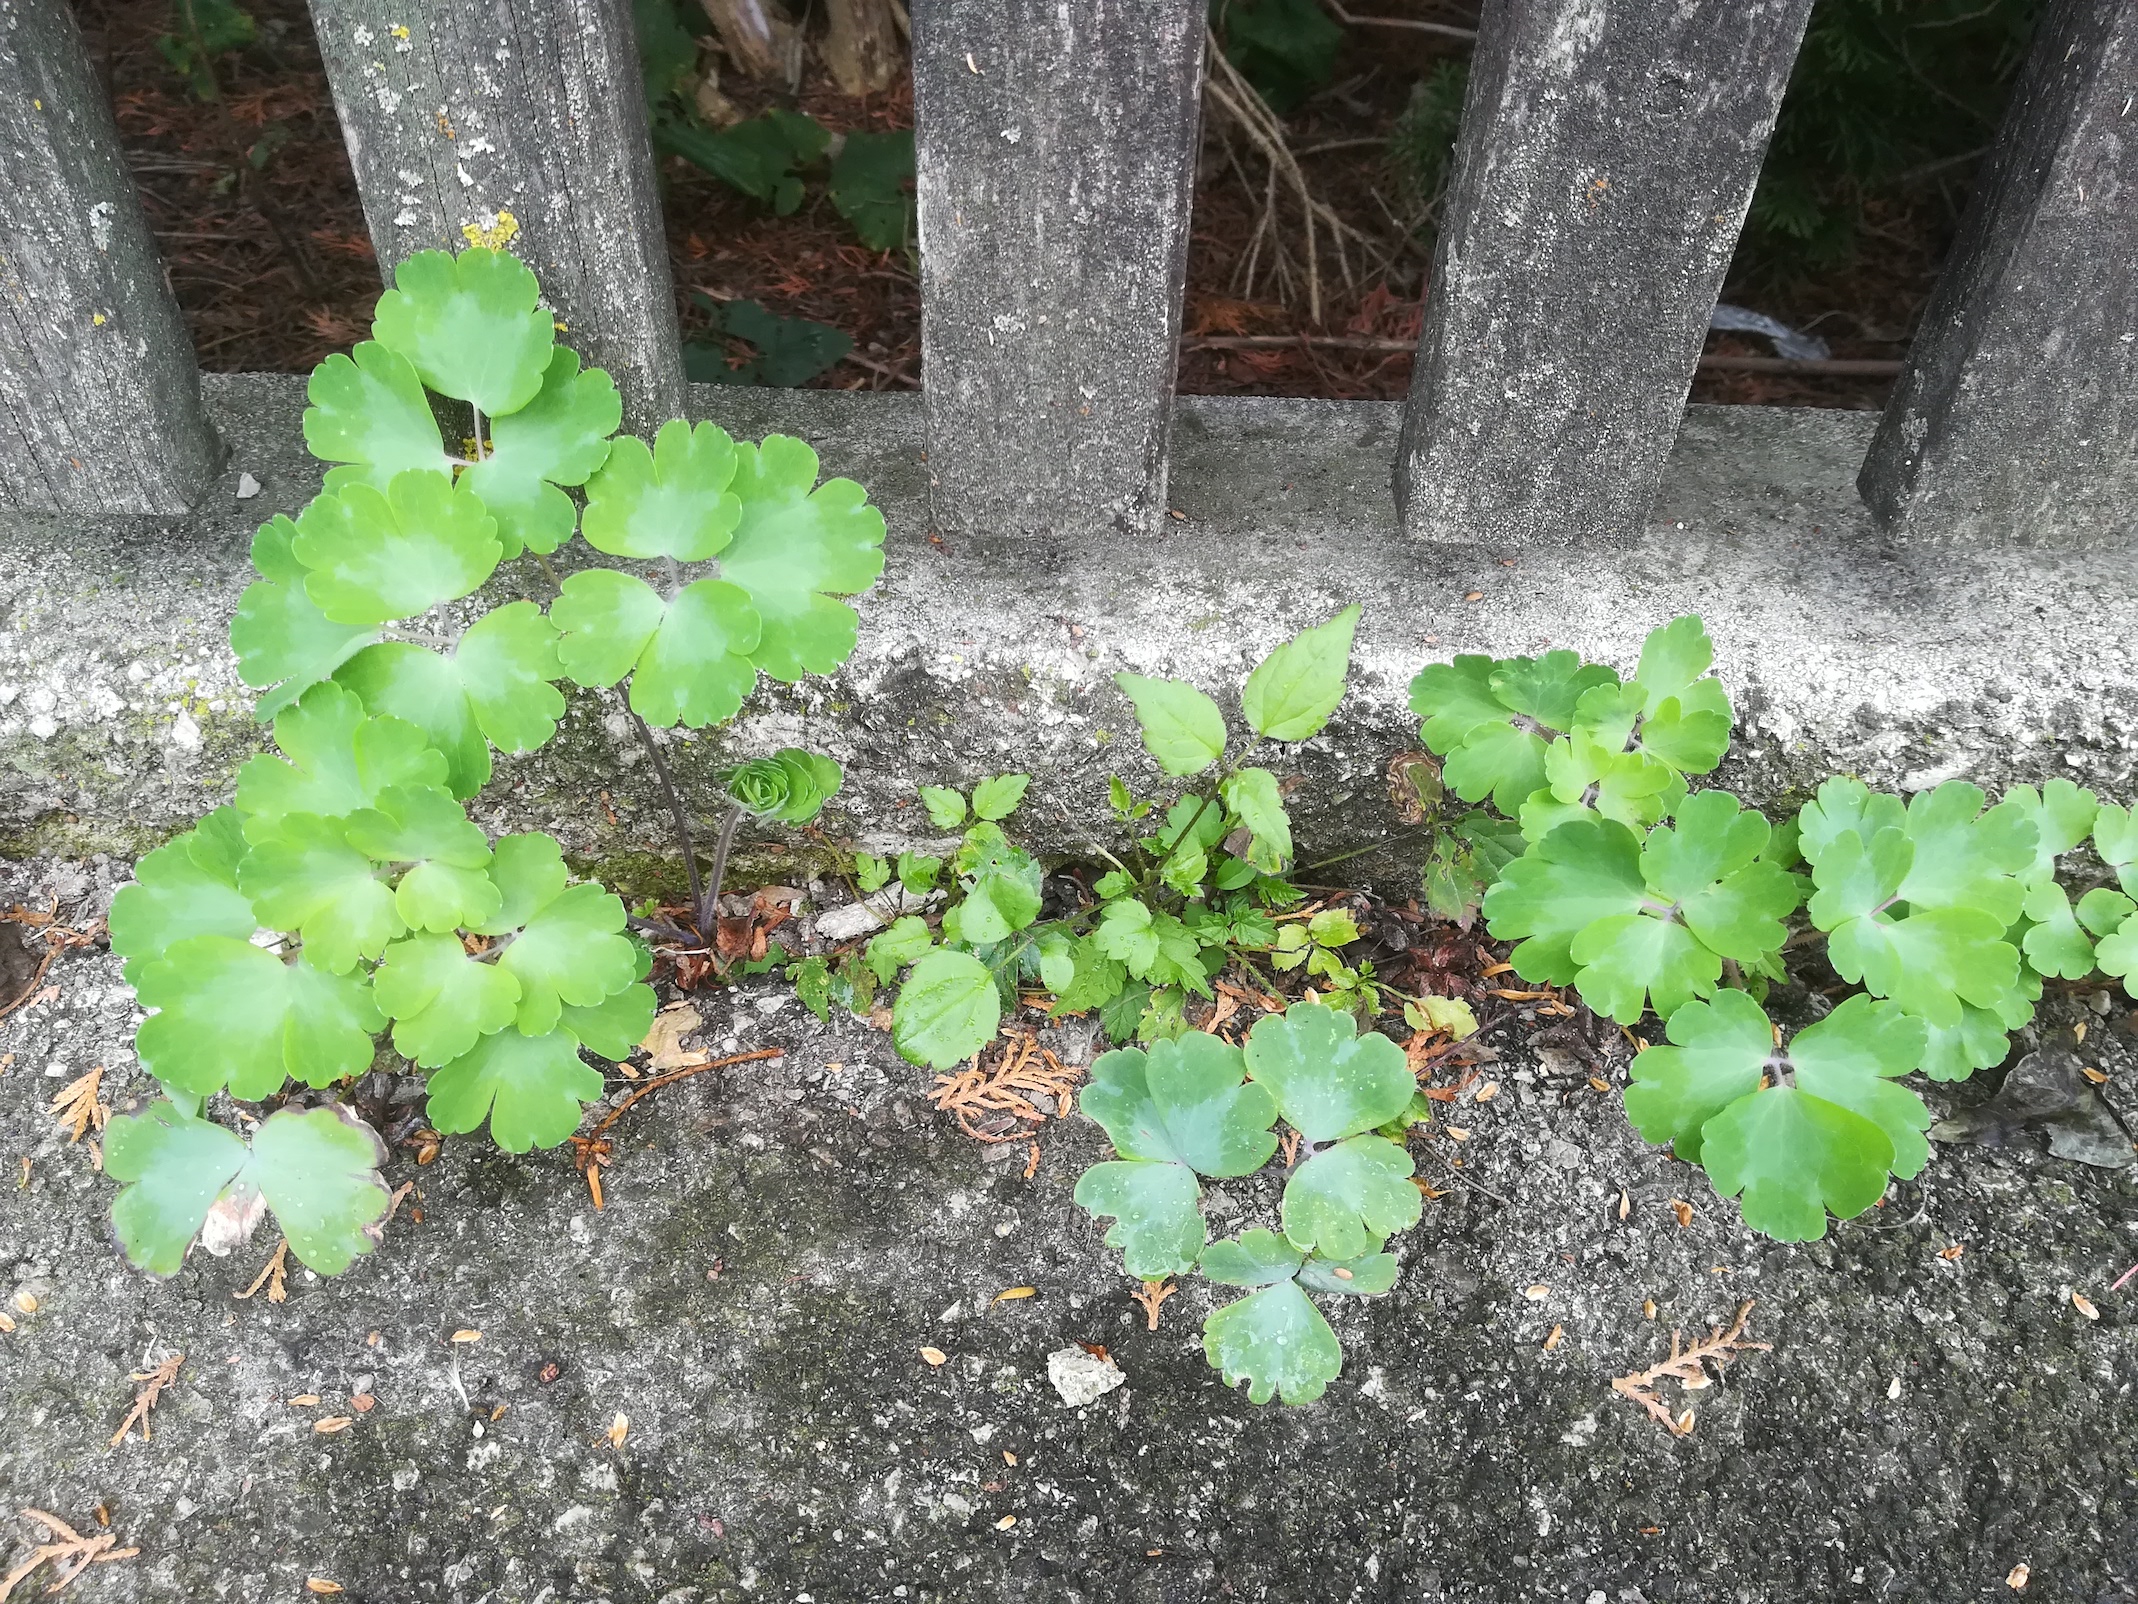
x=1182, y=728
x=791, y=786
x=317, y=1169
x=1291, y=694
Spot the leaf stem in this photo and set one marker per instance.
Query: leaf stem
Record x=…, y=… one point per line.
x=675, y=809
x=709, y=910
x=477, y=413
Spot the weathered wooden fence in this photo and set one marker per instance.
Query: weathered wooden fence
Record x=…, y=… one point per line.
x=1607, y=156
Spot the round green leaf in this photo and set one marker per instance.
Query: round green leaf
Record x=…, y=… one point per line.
x=1581, y=872
x=532, y=1089
x=1257, y=1258
x=1292, y=692
x=1794, y=1157
x=559, y=438
x=794, y=550
x=304, y=876
x=947, y=1010
x=379, y=555
x=339, y=759
x=1277, y=1342
x=697, y=669
x=671, y=501
x=1329, y=1081
x=232, y=1013
x=368, y=409
x=172, y=1167
x=441, y=1000
x=318, y=1169
x=1365, y=1277
x=470, y=326
x=1158, y=1225
x=1184, y=1102
x=1347, y=1200
x=285, y=644
x=569, y=951
x=188, y=887
x=1718, y=1051
x=614, y=1026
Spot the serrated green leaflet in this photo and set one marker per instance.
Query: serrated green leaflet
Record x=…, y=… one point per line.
x=441, y=1000
x=532, y=1089
x=445, y=881
x=1347, y=1199
x=1292, y=692
x=1329, y=1081
x=316, y=1169
x=795, y=550
x=235, y=1014
x=670, y=501
x=1097, y=980
x=304, y=876
x=615, y=1025
x=946, y=808
x=559, y=438
x=368, y=410
x=998, y=798
x=947, y=1010
x=1277, y=1342
x=1001, y=883
x=339, y=760
x=284, y=643
x=375, y=556
x=899, y=944
x=187, y=887
x=689, y=659
x=1157, y=1224
x=1254, y=798
x=1816, y=1128
x=1183, y=1102
x=1182, y=728
x=470, y=326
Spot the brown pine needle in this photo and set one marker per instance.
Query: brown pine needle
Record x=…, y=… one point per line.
x=992, y=1103
x=77, y=1106
x=1152, y=1295
x=1687, y=1367
x=270, y=1277
x=69, y=1553
x=158, y=1379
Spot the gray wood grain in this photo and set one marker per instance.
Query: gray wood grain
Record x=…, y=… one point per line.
x=2016, y=417
x=99, y=389
x=1056, y=152
x=455, y=113
x=1607, y=155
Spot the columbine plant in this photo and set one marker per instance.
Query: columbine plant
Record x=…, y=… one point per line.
x=1643, y=895
x=345, y=893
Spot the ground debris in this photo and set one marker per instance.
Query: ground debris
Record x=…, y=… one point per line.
x=1689, y=1368
x=271, y=1276
x=69, y=1553
x=78, y=1106
x=156, y=1380
x=1152, y=1296
x=993, y=1102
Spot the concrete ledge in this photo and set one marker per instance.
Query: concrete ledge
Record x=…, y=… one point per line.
x=121, y=716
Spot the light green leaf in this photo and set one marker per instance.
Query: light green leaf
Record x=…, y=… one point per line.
x=447, y=881
x=1347, y=1199
x=1965, y=858
x=1672, y=658
x=2054, y=943
x=1277, y=1342
x=1364, y=1277
x=379, y=555
x=532, y=1089
x=559, y=438
x=1794, y=1157
x=689, y=659
x=368, y=409
x=1846, y=806
x=570, y=951
x=998, y=798
x=470, y=325
x=2063, y=816
x=304, y=876
x=187, y=887
x=671, y=501
x=1098, y=981
x=235, y=1014
x=1632, y=958
x=946, y=808
x=285, y=644
x=317, y=1169
x=1157, y=1224
x=1183, y=1102
x=2115, y=837
x=1547, y=689
x=1455, y=699
x=339, y=760
x=1292, y=692
x=947, y=1010
x=1329, y=1081
x=1182, y=728
x=791, y=785
x=1002, y=886
x=1719, y=1049
x=441, y=1000
x=615, y=1025
x=1256, y=1258
x=1253, y=796
x=1582, y=872
x=1497, y=761
x=899, y=944
x=796, y=549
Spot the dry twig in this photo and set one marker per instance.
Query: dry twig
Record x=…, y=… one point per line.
x=616, y=1113
x=57, y=937
x=993, y=1103
x=69, y=1553
x=1688, y=1367
x=158, y=1379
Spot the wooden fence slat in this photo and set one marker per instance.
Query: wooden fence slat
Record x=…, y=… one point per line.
x=100, y=407
x=1057, y=149
x=457, y=114
x=1607, y=155
x=2016, y=416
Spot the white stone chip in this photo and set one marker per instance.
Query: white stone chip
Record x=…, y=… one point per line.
x=248, y=487
x=1082, y=1377
x=844, y=924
